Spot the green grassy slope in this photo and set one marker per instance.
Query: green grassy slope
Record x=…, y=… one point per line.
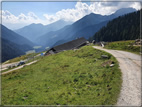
x=22, y=57
x=124, y=45
x=67, y=78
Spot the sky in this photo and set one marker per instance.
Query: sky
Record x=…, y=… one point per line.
x=16, y=15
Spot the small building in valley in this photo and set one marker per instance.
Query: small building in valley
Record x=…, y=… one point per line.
x=74, y=44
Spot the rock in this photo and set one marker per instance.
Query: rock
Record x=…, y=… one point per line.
x=111, y=65
x=25, y=97
x=88, y=85
x=104, y=56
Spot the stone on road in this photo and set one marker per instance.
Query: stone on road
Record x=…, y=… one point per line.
x=130, y=65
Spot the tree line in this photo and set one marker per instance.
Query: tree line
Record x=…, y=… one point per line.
x=126, y=27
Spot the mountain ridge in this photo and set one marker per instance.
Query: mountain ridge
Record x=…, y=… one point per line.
x=14, y=37
x=34, y=31
x=10, y=50
x=13, y=45
x=126, y=27
x=69, y=33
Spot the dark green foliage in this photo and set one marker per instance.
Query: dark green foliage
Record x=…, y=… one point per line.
x=126, y=27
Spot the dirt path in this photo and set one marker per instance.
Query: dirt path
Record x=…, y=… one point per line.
x=18, y=67
x=4, y=66
x=130, y=65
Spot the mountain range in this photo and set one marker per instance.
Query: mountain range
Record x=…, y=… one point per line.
x=126, y=27
x=33, y=31
x=15, y=43
x=85, y=27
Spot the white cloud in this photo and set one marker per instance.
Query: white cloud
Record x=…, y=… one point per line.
x=15, y=22
x=136, y=5
x=81, y=9
x=8, y=17
x=50, y=18
x=106, y=8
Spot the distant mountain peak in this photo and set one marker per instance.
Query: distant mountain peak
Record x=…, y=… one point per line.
x=35, y=30
x=124, y=11
x=93, y=14
x=33, y=24
x=118, y=12
x=60, y=21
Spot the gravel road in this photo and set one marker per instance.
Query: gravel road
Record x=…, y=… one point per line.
x=18, y=67
x=130, y=65
x=4, y=66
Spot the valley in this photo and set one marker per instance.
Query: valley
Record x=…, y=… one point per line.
x=24, y=39
x=63, y=63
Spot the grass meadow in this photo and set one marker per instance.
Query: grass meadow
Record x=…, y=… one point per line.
x=74, y=77
x=124, y=45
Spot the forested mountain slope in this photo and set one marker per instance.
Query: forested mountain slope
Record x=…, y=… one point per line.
x=85, y=27
x=126, y=27
x=14, y=37
x=12, y=44
x=9, y=50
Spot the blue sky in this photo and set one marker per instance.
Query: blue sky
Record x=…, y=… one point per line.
x=19, y=14
x=39, y=8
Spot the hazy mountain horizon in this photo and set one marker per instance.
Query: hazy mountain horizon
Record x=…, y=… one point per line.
x=34, y=31
x=85, y=27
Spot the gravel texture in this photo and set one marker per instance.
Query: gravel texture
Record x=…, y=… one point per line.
x=130, y=65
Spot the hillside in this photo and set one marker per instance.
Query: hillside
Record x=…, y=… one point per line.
x=14, y=37
x=85, y=27
x=13, y=44
x=85, y=32
x=78, y=77
x=128, y=45
x=33, y=31
x=88, y=31
x=9, y=50
x=126, y=27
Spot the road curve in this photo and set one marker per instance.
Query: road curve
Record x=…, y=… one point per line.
x=130, y=65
